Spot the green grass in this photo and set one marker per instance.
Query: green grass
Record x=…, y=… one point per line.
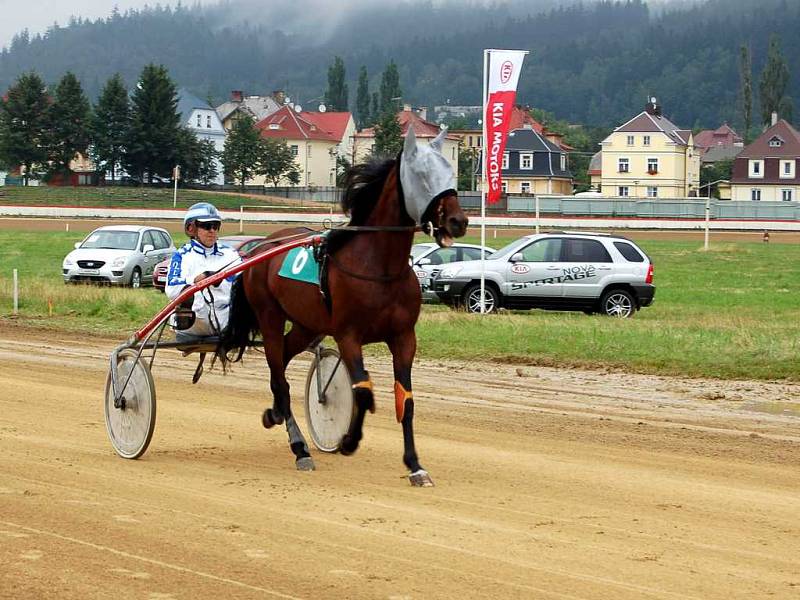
x=138, y=197
x=732, y=312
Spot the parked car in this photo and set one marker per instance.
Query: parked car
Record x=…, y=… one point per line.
x=118, y=254
x=429, y=258
x=566, y=270
x=242, y=243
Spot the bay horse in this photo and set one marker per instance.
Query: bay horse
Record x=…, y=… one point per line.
x=373, y=294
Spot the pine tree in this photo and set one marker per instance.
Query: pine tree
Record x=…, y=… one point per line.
x=242, y=153
x=774, y=81
x=388, y=136
x=336, y=97
x=376, y=110
x=24, y=121
x=390, y=88
x=110, y=126
x=362, y=99
x=746, y=80
x=152, y=140
x=70, y=124
x=277, y=162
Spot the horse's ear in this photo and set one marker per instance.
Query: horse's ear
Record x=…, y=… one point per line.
x=410, y=145
x=439, y=140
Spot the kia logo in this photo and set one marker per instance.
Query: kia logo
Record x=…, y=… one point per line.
x=506, y=69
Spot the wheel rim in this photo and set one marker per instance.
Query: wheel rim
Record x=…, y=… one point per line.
x=619, y=305
x=474, y=301
x=328, y=421
x=136, y=279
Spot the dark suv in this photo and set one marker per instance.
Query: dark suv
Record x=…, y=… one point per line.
x=565, y=270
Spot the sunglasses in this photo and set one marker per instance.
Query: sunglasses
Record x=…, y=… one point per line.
x=210, y=226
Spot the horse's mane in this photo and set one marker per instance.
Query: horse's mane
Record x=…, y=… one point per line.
x=362, y=188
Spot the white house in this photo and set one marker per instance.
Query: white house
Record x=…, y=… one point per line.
x=201, y=118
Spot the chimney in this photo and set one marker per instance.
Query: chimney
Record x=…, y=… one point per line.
x=279, y=96
x=237, y=95
x=652, y=107
x=774, y=118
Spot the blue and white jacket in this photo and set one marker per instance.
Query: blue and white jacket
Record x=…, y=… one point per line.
x=188, y=262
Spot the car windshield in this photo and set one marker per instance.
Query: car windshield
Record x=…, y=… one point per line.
x=508, y=249
x=117, y=240
x=418, y=250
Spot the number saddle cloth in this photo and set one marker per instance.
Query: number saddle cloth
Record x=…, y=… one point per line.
x=309, y=265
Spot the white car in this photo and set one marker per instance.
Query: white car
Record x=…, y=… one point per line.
x=429, y=258
x=119, y=255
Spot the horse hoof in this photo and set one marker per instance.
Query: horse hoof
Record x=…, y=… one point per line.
x=349, y=445
x=270, y=419
x=305, y=463
x=420, y=479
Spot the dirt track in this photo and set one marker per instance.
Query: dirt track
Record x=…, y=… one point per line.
x=550, y=484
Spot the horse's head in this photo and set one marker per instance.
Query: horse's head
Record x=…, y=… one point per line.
x=429, y=189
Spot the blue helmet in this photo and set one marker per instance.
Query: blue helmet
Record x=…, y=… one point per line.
x=203, y=212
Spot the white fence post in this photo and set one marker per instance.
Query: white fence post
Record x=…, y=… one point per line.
x=16, y=293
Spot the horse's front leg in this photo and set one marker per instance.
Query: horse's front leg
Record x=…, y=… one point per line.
x=403, y=348
x=350, y=349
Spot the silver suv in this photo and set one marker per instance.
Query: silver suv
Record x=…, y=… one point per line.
x=565, y=270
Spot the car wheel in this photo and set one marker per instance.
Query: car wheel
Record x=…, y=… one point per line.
x=472, y=299
x=618, y=303
x=136, y=278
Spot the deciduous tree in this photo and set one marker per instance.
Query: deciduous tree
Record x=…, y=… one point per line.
x=196, y=158
x=746, y=93
x=390, y=88
x=336, y=96
x=362, y=99
x=277, y=162
x=242, y=153
x=388, y=136
x=774, y=81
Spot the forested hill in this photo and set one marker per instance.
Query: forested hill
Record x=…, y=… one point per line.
x=591, y=62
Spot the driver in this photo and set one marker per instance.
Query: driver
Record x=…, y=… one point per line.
x=199, y=258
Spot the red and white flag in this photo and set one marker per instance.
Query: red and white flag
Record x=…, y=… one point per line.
x=504, y=67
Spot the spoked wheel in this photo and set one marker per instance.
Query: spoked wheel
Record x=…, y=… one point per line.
x=131, y=426
x=618, y=303
x=472, y=299
x=330, y=407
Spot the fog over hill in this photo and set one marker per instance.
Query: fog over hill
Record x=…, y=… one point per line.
x=591, y=62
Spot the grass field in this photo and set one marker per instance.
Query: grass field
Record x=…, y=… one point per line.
x=137, y=197
x=732, y=312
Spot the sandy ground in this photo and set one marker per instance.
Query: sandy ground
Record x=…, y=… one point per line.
x=549, y=484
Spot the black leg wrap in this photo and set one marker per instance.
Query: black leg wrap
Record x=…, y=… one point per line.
x=300, y=450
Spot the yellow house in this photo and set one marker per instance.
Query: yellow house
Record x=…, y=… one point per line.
x=649, y=157
x=316, y=139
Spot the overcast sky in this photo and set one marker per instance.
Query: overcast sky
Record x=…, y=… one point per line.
x=38, y=15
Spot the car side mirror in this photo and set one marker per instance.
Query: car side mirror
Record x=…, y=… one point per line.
x=148, y=248
x=424, y=261
x=76, y=245
x=515, y=258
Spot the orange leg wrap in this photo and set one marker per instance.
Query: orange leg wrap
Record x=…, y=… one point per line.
x=367, y=385
x=400, y=397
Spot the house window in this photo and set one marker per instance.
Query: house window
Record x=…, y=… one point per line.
x=756, y=168
x=563, y=162
x=652, y=166
x=787, y=169
x=775, y=142
x=504, y=186
x=755, y=194
x=454, y=152
x=505, y=160
x=294, y=149
x=526, y=161
x=469, y=143
x=646, y=140
x=198, y=120
x=623, y=165
x=525, y=187
x=274, y=126
x=308, y=151
x=208, y=121
x=786, y=195
x=623, y=191
x=630, y=140
x=478, y=140
x=652, y=191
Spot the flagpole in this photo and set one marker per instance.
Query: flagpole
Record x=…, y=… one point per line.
x=483, y=176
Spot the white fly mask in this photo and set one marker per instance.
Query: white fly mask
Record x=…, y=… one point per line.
x=424, y=174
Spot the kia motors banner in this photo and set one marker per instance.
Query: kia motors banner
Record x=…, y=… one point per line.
x=504, y=67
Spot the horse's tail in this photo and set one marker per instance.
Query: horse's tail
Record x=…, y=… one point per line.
x=242, y=326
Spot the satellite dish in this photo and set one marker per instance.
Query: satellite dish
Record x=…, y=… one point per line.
x=322, y=108
x=287, y=100
x=298, y=108
x=442, y=126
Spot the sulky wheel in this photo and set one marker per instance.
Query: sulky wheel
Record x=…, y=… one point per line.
x=329, y=415
x=131, y=426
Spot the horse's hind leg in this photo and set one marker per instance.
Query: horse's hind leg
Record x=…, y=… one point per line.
x=403, y=348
